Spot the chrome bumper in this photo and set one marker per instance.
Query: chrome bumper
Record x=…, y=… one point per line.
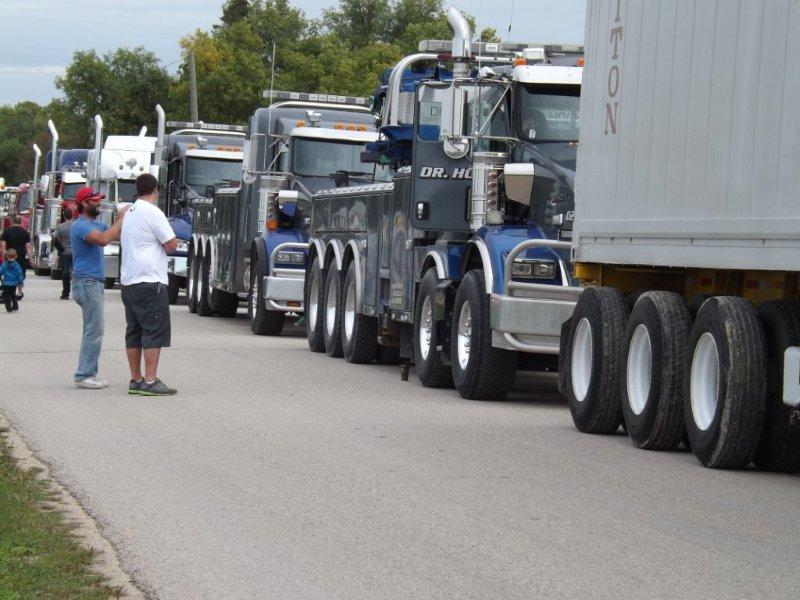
x=285, y=285
x=528, y=316
x=178, y=265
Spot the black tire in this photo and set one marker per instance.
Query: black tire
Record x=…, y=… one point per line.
x=651, y=381
x=359, y=331
x=725, y=386
x=779, y=448
x=313, y=306
x=108, y=283
x=480, y=371
x=204, y=308
x=226, y=304
x=428, y=364
x=192, y=278
x=262, y=321
x=593, y=391
x=173, y=288
x=331, y=321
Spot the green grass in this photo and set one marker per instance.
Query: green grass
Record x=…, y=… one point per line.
x=39, y=556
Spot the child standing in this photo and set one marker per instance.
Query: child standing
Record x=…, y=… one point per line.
x=11, y=274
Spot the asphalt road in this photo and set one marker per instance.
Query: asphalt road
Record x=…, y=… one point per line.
x=278, y=473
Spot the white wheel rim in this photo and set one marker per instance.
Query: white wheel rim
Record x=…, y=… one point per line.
x=464, y=335
x=210, y=278
x=704, y=381
x=350, y=310
x=581, y=371
x=330, y=307
x=254, y=296
x=190, y=283
x=200, y=287
x=313, y=302
x=425, y=328
x=640, y=369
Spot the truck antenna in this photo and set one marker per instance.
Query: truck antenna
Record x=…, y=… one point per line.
x=510, y=19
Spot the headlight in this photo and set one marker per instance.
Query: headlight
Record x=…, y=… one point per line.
x=182, y=247
x=290, y=258
x=530, y=269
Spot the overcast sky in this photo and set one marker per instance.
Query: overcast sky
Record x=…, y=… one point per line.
x=39, y=36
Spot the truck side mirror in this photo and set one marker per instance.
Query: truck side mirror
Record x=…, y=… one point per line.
x=209, y=191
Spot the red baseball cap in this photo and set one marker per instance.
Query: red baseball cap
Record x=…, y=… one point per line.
x=87, y=193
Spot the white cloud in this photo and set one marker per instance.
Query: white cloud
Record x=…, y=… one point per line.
x=35, y=70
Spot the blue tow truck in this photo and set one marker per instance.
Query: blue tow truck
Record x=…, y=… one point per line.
x=249, y=239
x=194, y=159
x=461, y=263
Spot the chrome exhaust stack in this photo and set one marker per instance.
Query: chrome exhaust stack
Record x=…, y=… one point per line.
x=462, y=42
x=98, y=144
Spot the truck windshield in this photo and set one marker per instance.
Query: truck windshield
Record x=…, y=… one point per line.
x=71, y=189
x=126, y=191
x=549, y=113
x=202, y=172
x=322, y=158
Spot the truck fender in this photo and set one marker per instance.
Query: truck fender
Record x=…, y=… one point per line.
x=335, y=250
x=353, y=250
x=435, y=259
x=478, y=245
x=261, y=256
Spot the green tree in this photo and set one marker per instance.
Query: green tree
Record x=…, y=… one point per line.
x=123, y=87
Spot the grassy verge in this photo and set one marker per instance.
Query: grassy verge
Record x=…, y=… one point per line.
x=39, y=556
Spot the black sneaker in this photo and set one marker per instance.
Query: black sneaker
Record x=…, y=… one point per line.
x=157, y=388
x=135, y=386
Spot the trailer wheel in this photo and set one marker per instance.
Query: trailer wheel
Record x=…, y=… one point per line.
x=331, y=309
x=359, y=331
x=593, y=360
x=652, y=371
x=312, y=300
x=204, y=308
x=725, y=390
x=480, y=371
x=779, y=449
x=262, y=321
x=432, y=372
x=191, y=281
x=173, y=288
x=108, y=283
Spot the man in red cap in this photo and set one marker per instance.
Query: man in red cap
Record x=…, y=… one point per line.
x=88, y=236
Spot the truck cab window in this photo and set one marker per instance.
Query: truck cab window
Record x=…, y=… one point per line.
x=550, y=112
x=203, y=172
x=322, y=158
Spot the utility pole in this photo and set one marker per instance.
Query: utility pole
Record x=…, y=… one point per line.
x=193, y=88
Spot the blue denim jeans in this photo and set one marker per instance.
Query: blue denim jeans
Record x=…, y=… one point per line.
x=88, y=293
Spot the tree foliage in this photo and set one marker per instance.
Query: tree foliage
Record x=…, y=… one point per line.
x=343, y=52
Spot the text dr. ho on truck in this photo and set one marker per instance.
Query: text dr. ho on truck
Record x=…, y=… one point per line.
x=250, y=241
x=193, y=160
x=112, y=169
x=688, y=230
x=460, y=261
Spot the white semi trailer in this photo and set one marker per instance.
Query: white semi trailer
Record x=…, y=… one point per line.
x=687, y=230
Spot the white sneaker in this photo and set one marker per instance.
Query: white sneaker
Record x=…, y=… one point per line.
x=91, y=383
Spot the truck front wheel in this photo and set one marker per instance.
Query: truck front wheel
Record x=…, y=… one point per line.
x=262, y=321
x=312, y=301
x=725, y=391
x=593, y=360
x=480, y=371
x=359, y=332
x=428, y=364
x=331, y=309
x=652, y=375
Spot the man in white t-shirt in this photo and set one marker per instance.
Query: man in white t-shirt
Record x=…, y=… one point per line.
x=146, y=239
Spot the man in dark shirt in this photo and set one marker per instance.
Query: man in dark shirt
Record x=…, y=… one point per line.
x=62, y=238
x=18, y=238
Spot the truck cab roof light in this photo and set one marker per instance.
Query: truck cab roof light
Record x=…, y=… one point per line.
x=205, y=126
x=300, y=123
x=509, y=49
x=580, y=62
x=339, y=126
x=277, y=95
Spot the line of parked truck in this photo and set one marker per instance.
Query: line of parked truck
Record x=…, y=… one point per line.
x=435, y=223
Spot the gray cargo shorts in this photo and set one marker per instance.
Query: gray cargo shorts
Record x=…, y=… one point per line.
x=146, y=315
